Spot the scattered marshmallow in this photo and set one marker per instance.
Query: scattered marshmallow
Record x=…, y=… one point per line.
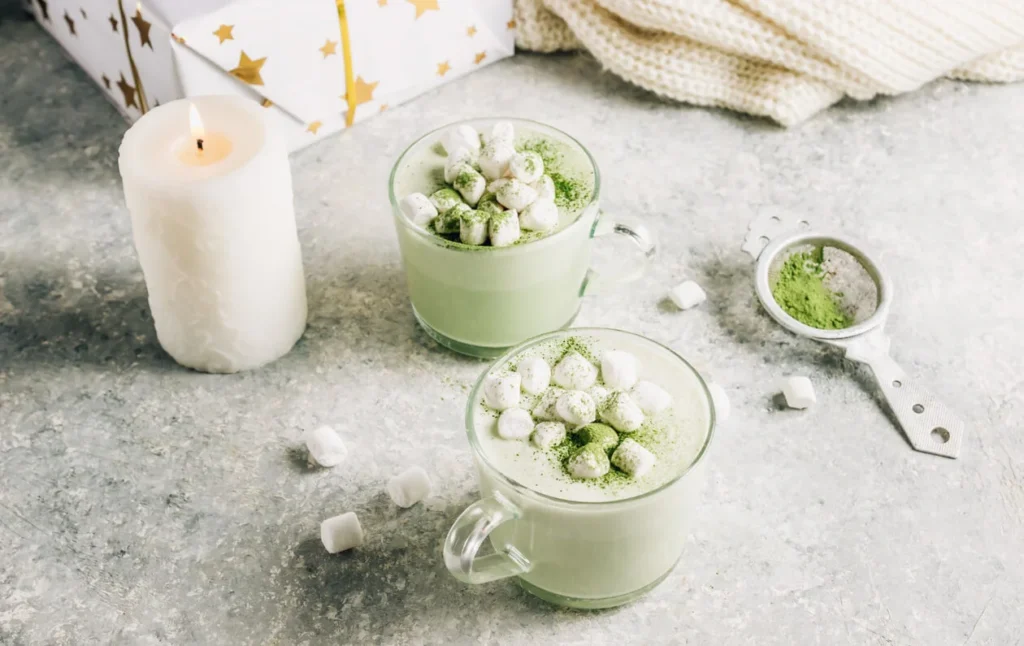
x=574, y=372
x=501, y=392
x=502, y=131
x=576, y=407
x=526, y=167
x=548, y=434
x=623, y=413
x=600, y=395
x=799, y=392
x=540, y=215
x=494, y=159
x=514, y=194
x=456, y=160
x=450, y=221
x=409, y=487
x=618, y=369
x=470, y=184
x=650, y=397
x=535, y=373
x=418, y=208
x=687, y=294
x=545, y=188
x=589, y=462
x=633, y=458
x=504, y=228
x=325, y=447
x=545, y=409
x=473, y=228
x=515, y=424
x=341, y=533
x=445, y=199
x=721, y=402
x=599, y=434
x=463, y=136
x=494, y=185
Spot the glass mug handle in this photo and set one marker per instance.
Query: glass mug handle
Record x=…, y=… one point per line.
x=468, y=534
x=596, y=282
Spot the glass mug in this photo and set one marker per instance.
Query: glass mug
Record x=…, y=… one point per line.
x=480, y=301
x=578, y=554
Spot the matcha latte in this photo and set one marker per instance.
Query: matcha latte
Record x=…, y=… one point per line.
x=482, y=275
x=591, y=476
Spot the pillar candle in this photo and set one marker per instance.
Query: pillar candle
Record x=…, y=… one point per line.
x=209, y=189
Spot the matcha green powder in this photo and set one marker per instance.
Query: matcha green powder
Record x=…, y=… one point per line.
x=801, y=290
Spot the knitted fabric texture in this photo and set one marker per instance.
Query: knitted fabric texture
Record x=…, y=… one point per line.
x=783, y=59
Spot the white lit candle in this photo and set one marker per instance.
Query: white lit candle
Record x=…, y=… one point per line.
x=209, y=189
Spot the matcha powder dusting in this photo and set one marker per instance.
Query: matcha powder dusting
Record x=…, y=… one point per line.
x=801, y=290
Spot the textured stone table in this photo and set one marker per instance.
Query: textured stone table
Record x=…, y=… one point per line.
x=141, y=503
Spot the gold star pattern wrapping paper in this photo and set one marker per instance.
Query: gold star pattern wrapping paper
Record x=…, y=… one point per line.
x=291, y=57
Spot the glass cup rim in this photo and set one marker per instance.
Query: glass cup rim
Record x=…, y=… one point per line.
x=447, y=244
x=522, y=489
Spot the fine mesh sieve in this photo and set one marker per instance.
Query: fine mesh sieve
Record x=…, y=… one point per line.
x=864, y=293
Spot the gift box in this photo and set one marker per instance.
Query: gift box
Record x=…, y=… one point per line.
x=317, y=66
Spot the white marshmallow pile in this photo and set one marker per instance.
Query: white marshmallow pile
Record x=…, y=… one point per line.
x=569, y=398
x=687, y=294
x=341, y=533
x=799, y=392
x=325, y=447
x=495, y=192
x=409, y=487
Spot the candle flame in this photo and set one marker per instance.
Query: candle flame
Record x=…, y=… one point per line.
x=196, y=123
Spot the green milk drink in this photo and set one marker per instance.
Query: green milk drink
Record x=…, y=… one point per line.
x=480, y=300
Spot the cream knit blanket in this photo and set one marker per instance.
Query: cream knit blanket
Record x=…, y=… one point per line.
x=783, y=59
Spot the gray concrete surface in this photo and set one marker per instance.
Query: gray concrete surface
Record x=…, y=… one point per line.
x=141, y=503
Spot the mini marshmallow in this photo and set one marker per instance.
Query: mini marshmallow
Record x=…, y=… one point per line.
x=409, y=487
x=545, y=188
x=494, y=185
x=502, y=131
x=633, y=458
x=526, y=167
x=461, y=137
x=651, y=398
x=576, y=408
x=325, y=447
x=470, y=184
x=501, y=392
x=515, y=424
x=600, y=395
x=624, y=415
x=418, y=208
x=536, y=374
x=574, y=372
x=341, y=533
x=514, y=194
x=450, y=221
x=540, y=215
x=473, y=228
x=687, y=294
x=489, y=204
x=589, y=462
x=547, y=434
x=445, y=199
x=599, y=434
x=721, y=402
x=544, y=408
x=456, y=160
x=504, y=228
x=799, y=392
x=618, y=370
x=494, y=159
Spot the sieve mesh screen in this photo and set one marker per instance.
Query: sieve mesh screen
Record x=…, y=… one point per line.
x=854, y=289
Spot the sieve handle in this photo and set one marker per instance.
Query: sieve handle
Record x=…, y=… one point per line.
x=929, y=425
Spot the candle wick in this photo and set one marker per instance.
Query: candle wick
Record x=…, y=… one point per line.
x=199, y=144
